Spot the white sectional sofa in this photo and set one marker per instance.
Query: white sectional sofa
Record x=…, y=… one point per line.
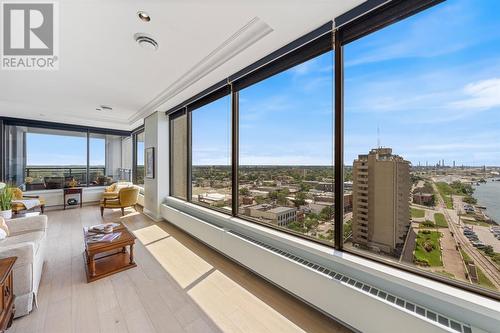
x=27, y=241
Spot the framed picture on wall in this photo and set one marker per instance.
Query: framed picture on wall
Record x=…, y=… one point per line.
x=150, y=162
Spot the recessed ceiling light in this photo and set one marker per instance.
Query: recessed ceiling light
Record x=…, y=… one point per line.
x=143, y=16
x=146, y=41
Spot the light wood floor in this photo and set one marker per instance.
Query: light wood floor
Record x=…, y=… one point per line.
x=180, y=285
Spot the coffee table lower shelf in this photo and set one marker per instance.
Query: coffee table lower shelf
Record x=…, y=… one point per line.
x=107, y=264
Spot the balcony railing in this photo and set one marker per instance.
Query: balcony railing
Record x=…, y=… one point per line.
x=55, y=177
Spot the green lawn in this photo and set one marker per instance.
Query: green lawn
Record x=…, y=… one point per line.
x=480, y=223
x=427, y=248
x=417, y=213
x=440, y=220
x=445, y=191
x=483, y=280
x=466, y=257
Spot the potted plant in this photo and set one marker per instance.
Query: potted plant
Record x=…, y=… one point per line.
x=5, y=201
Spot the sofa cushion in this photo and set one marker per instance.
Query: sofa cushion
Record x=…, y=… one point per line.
x=34, y=237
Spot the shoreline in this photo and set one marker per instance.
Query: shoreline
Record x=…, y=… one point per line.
x=487, y=195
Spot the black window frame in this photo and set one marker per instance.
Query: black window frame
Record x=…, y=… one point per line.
x=135, y=133
x=361, y=21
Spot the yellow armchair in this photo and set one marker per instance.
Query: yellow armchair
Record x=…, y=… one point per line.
x=17, y=207
x=126, y=197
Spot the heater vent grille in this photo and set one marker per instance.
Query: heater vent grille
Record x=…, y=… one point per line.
x=436, y=318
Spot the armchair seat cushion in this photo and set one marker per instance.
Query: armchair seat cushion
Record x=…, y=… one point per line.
x=18, y=206
x=114, y=203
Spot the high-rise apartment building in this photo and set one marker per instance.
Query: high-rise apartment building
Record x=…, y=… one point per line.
x=381, y=192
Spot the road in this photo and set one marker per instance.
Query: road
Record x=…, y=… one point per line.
x=489, y=269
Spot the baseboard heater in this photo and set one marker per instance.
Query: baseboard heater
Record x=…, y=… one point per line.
x=349, y=300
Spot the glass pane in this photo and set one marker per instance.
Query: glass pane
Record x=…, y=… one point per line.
x=178, y=137
x=422, y=145
x=286, y=150
x=46, y=159
x=97, y=154
x=211, y=154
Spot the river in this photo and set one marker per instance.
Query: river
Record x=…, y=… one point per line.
x=488, y=195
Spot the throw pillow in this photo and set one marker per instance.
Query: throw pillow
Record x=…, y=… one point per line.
x=3, y=226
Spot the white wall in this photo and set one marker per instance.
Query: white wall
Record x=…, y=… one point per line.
x=156, y=190
x=55, y=197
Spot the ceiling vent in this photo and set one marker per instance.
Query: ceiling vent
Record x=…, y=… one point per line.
x=146, y=41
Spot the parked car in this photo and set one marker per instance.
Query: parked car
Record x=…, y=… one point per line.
x=478, y=244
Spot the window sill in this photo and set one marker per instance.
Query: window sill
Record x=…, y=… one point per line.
x=456, y=302
x=58, y=190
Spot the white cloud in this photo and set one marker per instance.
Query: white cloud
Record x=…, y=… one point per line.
x=482, y=95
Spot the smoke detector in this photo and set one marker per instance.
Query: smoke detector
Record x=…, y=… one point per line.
x=146, y=41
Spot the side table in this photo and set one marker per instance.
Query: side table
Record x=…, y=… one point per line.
x=73, y=190
x=7, y=297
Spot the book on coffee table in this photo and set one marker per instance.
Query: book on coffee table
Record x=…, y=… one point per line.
x=103, y=238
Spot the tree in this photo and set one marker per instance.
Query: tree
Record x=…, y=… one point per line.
x=273, y=195
x=282, y=200
x=470, y=200
x=259, y=199
x=300, y=199
x=244, y=191
x=310, y=223
x=488, y=249
x=326, y=213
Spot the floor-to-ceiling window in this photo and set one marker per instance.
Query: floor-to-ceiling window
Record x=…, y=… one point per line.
x=279, y=122
x=422, y=142
x=286, y=149
x=418, y=139
x=211, y=154
x=39, y=158
x=97, y=159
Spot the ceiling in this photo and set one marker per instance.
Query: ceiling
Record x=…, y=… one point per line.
x=200, y=43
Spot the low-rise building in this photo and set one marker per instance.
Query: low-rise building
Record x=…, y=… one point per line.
x=278, y=215
x=425, y=199
x=212, y=199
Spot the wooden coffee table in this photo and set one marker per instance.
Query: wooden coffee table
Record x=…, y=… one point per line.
x=107, y=258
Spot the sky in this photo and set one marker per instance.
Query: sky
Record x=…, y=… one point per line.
x=50, y=149
x=429, y=85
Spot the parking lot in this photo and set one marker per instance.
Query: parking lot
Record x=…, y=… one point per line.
x=484, y=234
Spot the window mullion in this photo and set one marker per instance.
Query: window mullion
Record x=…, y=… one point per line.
x=234, y=149
x=189, y=155
x=339, y=142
